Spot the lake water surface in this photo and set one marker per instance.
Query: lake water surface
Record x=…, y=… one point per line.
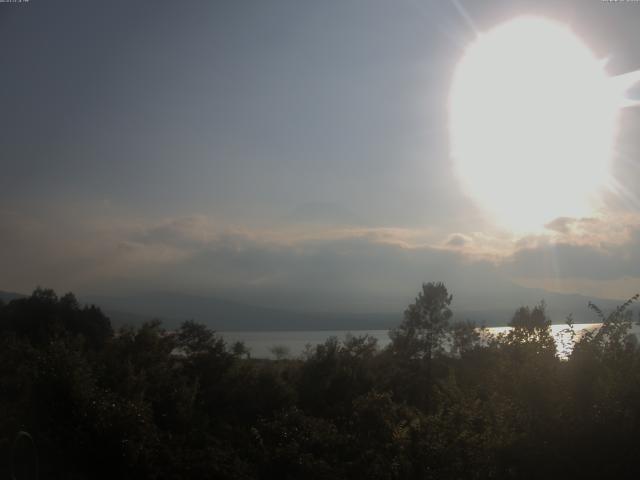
x=260, y=343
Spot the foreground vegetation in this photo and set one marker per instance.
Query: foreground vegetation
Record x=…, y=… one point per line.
x=441, y=402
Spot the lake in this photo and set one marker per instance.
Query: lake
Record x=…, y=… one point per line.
x=260, y=343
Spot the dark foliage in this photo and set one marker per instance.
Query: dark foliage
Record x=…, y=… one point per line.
x=443, y=401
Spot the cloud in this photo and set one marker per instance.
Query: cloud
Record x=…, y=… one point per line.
x=621, y=288
x=68, y=253
x=322, y=268
x=323, y=213
x=189, y=230
x=457, y=240
x=326, y=269
x=560, y=224
x=589, y=248
x=591, y=256
x=565, y=260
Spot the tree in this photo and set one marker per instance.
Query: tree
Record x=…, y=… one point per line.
x=419, y=338
x=465, y=336
x=197, y=339
x=532, y=326
x=44, y=316
x=335, y=373
x=280, y=352
x=423, y=332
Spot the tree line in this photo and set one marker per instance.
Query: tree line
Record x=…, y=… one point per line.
x=442, y=401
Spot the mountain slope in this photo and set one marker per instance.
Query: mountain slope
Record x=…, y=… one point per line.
x=8, y=296
x=226, y=315
x=222, y=314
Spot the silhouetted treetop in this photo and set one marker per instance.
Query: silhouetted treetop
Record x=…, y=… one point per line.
x=43, y=316
x=426, y=322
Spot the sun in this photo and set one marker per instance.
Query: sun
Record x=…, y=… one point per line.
x=533, y=119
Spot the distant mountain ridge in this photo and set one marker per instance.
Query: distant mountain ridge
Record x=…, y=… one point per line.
x=225, y=314
x=8, y=296
x=222, y=314
x=228, y=315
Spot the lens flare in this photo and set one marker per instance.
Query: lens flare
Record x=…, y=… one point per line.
x=533, y=118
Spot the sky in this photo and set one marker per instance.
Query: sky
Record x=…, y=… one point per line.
x=283, y=153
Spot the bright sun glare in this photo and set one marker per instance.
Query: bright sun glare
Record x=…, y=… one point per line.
x=533, y=120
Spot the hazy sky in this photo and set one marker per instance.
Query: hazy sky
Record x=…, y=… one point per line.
x=276, y=149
